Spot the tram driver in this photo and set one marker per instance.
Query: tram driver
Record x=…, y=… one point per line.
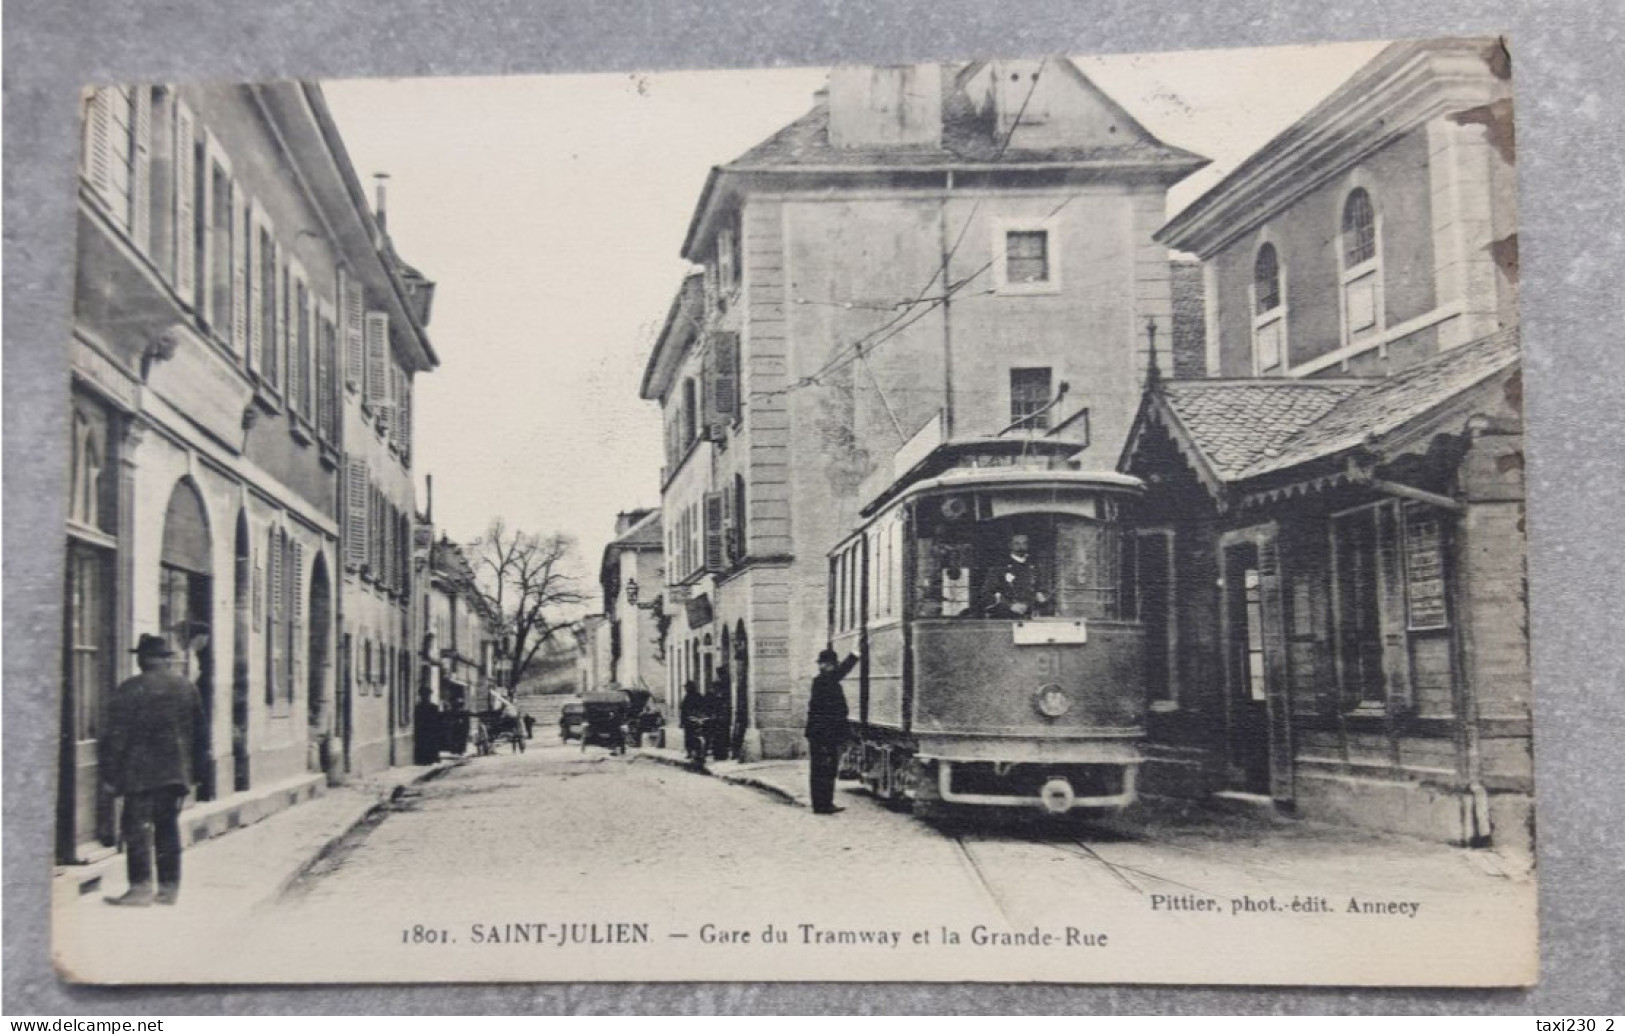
x=1015, y=588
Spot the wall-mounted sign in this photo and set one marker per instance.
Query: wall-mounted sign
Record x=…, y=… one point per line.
x=699, y=611
x=1424, y=569
x=774, y=647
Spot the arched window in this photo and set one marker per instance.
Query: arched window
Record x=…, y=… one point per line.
x=1269, y=313
x=1359, y=229
x=1361, y=261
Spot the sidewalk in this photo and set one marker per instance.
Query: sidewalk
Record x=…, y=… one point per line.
x=784, y=779
x=245, y=849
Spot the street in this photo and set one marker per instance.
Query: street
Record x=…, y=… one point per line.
x=481, y=872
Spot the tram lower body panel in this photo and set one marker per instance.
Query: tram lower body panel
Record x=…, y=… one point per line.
x=1048, y=715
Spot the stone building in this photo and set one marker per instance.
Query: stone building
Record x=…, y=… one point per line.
x=385, y=347
x=932, y=252
x=632, y=578
x=460, y=633
x=221, y=231
x=1332, y=562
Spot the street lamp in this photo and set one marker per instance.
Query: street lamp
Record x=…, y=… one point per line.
x=632, y=591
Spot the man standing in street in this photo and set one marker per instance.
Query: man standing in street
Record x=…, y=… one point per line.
x=826, y=728
x=154, y=741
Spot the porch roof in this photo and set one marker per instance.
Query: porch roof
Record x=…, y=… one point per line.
x=1234, y=431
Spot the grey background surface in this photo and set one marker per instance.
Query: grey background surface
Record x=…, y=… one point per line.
x=1568, y=78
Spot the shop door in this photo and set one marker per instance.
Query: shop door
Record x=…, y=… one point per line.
x=1258, y=727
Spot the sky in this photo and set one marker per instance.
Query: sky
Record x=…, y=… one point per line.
x=550, y=211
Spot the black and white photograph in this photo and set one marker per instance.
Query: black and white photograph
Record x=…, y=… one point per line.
x=1025, y=518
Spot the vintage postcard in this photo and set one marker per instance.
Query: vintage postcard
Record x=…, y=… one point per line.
x=1036, y=518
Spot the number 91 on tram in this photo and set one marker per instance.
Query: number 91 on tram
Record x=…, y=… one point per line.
x=994, y=600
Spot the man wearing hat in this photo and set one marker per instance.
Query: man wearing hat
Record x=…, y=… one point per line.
x=154, y=739
x=826, y=728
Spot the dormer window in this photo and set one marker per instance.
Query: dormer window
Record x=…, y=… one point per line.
x=1360, y=258
x=1269, y=313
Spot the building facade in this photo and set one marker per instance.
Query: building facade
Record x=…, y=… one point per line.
x=1335, y=572
x=219, y=232
x=384, y=313
x=632, y=577
x=936, y=251
x=458, y=662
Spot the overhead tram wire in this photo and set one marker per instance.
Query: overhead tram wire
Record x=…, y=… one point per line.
x=856, y=350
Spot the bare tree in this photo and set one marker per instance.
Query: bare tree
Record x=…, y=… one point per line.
x=525, y=579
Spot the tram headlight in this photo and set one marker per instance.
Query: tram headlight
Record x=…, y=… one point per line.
x=1051, y=701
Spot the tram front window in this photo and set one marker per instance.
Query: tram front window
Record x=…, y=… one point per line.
x=1013, y=569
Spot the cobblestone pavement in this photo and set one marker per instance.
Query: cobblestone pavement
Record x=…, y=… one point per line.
x=442, y=883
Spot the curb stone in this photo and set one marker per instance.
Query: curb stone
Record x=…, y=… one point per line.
x=675, y=760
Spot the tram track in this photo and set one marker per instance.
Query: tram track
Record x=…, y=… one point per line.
x=980, y=878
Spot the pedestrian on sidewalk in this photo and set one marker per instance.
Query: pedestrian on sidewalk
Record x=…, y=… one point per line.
x=154, y=741
x=425, y=729
x=691, y=712
x=827, y=728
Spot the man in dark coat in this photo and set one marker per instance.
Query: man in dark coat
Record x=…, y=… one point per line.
x=426, y=723
x=691, y=712
x=154, y=740
x=826, y=728
x=1013, y=589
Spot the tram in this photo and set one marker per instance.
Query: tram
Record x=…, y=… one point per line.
x=991, y=594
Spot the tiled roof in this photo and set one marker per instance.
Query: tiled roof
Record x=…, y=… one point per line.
x=646, y=532
x=1396, y=400
x=1237, y=423
x=968, y=138
x=1247, y=428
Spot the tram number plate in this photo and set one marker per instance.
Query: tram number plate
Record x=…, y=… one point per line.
x=1048, y=633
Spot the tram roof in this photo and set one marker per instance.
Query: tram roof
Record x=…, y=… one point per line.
x=966, y=478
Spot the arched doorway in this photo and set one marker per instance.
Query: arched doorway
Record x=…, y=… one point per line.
x=186, y=604
x=319, y=653
x=242, y=604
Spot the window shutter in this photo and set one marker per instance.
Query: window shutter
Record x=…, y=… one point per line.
x=141, y=171
x=406, y=418
x=99, y=140
x=296, y=638
x=715, y=557
x=725, y=388
x=185, y=211
x=273, y=644
x=355, y=538
x=239, y=273
x=377, y=355
x=324, y=377
x=256, y=286
x=353, y=300
x=279, y=311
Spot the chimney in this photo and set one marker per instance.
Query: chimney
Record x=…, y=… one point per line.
x=379, y=179
x=881, y=106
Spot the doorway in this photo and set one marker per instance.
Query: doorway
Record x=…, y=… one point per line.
x=1254, y=663
x=242, y=602
x=316, y=667
x=186, y=606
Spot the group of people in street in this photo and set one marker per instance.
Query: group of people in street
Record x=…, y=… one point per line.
x=435, y=730
x=705, y=716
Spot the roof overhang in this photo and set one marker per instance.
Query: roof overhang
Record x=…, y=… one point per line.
x=683, y=319
x=1405, y=86
x=298, y=116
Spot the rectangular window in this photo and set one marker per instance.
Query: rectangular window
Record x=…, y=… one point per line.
x=1029, y=393
x=89, y=609
x=1026, y=256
